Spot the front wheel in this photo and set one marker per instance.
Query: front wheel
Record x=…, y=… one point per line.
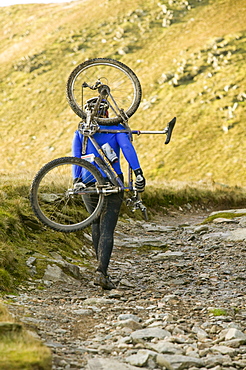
x=60, y=205
x=123, y=83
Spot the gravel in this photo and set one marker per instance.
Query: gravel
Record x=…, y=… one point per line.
x=179, y=302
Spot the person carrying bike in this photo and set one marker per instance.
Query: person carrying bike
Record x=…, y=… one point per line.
x=104, y=226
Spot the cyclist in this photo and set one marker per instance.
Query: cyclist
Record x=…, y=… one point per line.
x=103, y=228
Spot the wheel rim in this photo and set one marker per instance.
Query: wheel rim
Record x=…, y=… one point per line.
x=124, y=87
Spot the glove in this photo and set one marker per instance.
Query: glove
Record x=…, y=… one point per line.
x=140, y=180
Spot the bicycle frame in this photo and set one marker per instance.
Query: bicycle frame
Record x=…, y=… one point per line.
x=67, y=205
x=104, y=162
x=89, y=128
x=167, y=130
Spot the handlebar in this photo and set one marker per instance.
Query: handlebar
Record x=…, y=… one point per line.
x=104, y=90
x=167, y=130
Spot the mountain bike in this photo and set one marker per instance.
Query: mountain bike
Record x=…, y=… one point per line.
x=55, y=199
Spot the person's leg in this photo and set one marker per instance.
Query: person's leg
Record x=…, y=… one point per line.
x=103, y=234
x=103, y=227
x=108, y=221
x=90, y=201
x=95, y=233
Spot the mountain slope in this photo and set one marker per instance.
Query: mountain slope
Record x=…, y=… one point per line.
x=189, y=57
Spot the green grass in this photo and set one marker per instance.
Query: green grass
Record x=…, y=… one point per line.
x=227, y=215
x=179, y=194
x=23, y=236
x=21, y=352
x=19, y=349
x=218, y=312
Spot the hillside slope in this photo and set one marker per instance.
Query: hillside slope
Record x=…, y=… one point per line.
x=189, y=57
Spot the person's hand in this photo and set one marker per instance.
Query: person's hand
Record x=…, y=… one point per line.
x=140, y=180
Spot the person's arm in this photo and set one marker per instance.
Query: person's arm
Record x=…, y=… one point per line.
x=130, y=155
x=77, y=145
x=128, y=150
x=76, y=152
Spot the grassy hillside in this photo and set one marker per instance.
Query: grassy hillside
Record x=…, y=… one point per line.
x=189, y=57
x=22, y=237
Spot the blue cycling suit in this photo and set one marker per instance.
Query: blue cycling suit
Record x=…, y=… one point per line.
x=117, y=141
x=103, y=227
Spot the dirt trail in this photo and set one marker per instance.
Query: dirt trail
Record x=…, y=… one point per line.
x=174, y=266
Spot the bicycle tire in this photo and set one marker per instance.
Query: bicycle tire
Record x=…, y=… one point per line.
x=123, y=82
x=51, y=201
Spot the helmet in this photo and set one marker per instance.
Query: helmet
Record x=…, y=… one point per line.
x=103, y=106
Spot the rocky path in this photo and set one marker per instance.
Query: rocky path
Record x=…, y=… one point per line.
x=179, y=304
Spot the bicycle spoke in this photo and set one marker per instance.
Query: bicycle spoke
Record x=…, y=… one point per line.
x=55, y=200
x=123, y=83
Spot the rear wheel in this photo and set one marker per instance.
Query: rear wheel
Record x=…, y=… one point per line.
x=58, y=204
x=122, y=81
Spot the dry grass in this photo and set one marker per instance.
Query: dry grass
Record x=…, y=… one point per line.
x=41, y=44
x=4, y=313
x=19, y=349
